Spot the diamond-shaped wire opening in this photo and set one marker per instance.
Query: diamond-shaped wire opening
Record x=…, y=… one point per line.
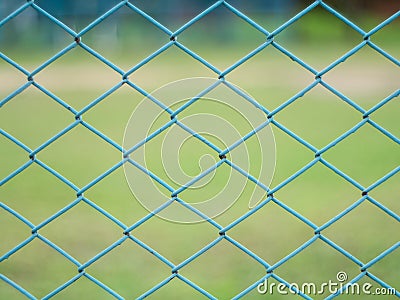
x=252, y=161
x=272, y=77
x=224, y=118
x=129, y=269
x=318, y=109
x=366, y=77
x=175, y=234
x=150, y=156
x=178, y=91
x=318, y=43
x=354, y=231
x=150, y=111
x=212, y=187
x=324, y=189
x=125, y=38
x=113, y=195
x=188, y=156
x=249, y=196
x=111, y=114
x=71, y=77
x=146, y=190
x=29, y=195
x=195, y=157
x=227, y=118
x=27, y=117
x=88, y=232
x=22, y=268
x=318, y=263
x=223, y=107
x=87, y=159
x=38, y=38
x=366, y=155
x=236, y=34
x=213, y=270
x=271, y=233
x=157, y=72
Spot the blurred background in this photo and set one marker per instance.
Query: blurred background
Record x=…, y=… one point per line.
x=117, y=33
x=125, y=38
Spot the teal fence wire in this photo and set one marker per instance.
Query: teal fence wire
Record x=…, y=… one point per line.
x=222, y=232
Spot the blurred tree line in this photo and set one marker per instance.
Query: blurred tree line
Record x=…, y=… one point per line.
x=173, y=13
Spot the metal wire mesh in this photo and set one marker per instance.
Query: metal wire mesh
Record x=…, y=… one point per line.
x=222, y=232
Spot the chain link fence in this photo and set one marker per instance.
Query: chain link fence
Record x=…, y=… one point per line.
x=220, y=232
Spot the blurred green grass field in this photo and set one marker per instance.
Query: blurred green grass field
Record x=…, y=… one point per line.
x=271, y=233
